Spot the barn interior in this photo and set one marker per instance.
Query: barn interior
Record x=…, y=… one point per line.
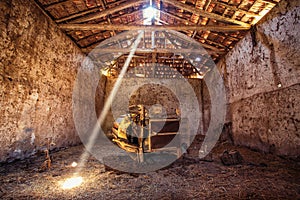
x=149, y=99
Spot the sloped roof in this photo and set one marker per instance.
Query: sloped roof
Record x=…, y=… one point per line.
x=217, y=24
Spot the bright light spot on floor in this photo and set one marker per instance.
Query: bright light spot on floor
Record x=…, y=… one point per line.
x=72, y=182
x=279, y=85
x=74, y=164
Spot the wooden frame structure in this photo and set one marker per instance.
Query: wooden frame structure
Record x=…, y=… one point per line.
x=217, y=24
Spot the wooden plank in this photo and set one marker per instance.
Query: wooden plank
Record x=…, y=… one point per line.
x=55, y=4
x=77, y=15
x=205, y=13
x=214, y=49
x=184, y=21
x=176, y=17
x=98, y=15
x=109, y=11
x=268, y=1
x=228, y=28
x=207, y=3
x=249, y=13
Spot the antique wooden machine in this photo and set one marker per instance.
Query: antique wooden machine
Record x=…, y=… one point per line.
x=142, y=131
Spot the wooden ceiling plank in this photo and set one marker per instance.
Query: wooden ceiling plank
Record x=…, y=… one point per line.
x=102, y=3
x=55, y=4
x=175, y=17
x=109, y=11
x=268, y=1
x=249, y=13
x=218, y=28
x=98, y=42
x=214, y=49
x=76, y=15
x=205, y=13
x=207, y=3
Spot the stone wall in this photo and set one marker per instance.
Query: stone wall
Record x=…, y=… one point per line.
x=262, y=77
x=38, y=66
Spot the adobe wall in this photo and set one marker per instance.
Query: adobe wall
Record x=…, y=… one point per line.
x=263, y=82
x=38, y=66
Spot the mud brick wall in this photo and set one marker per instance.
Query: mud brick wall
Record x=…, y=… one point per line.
x=263, y=80
x=38, y=66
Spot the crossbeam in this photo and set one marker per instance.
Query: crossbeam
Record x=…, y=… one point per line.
x=85, y=27
x=155, y=50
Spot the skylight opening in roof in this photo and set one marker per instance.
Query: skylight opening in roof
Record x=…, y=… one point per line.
x=150, y=13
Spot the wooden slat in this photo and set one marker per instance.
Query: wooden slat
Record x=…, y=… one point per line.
x=206, y=4
x=214, y=49
x=102, y=3
x=55, y=4
x=176, y=17
x=204, y=13
x=187, y=21
x=252, y=14
x=76, y=15
x=268, y=1
x=109, y=11
x=217, y=28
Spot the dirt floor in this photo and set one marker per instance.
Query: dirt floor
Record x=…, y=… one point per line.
x=260, y=176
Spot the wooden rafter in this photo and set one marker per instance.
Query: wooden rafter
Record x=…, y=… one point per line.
x=189, y=22
x=109, y=19
x=175, y=17
x=228, y=28
x=249, y=13
x=55, y=4
x=205, y=13
x=102, y=3
x=98, y=42
x=205, y=7
x=104, y=6
x=109, y=11
x=214, y=49
x=77, y=15
x=268, y=1
x=207, y=3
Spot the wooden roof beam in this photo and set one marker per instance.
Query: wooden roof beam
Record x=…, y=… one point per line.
x=203, y=13
x=155, y=50
x=218, y=28
x=109, y=11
